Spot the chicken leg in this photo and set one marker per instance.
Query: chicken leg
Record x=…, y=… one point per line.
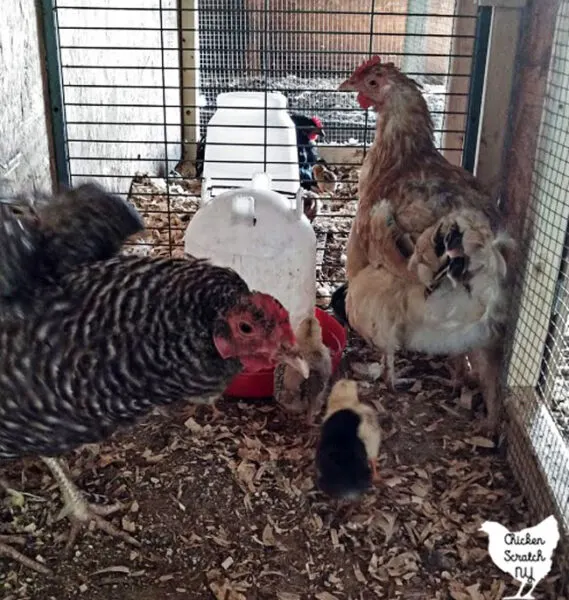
x=519, y=593
x=375, y=476
x=533, y=586
x=397, y=384
x=488, y=363
x=79, y=510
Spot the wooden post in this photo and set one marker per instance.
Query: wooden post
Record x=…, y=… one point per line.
x=415, y=45
x=497, y=94
x=190, y=65
x=457, y=101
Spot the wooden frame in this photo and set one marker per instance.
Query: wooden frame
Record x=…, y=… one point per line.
x=497, y=94
x=190, y=78
x=459, y=86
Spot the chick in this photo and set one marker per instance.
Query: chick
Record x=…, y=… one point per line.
x=295, y=394
x=325, y=179
x=346, y=458
x=427, y=257
x=311, y=203
x=438, y=253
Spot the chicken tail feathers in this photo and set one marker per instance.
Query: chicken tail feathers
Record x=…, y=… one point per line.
x=338, y=304
x=341, y=460
x=19, y=242
x=46, y=238
x=85, y=225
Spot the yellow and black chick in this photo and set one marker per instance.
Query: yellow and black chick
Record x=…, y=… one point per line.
x=346, y=457
x=295, y=394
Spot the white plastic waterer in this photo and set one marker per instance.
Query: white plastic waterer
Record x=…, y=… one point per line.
x=251, y=132
x=262, y=235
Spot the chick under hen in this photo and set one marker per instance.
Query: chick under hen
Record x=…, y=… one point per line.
x=293, y=392
x=452, y=319
x=346, y=457
x=90, y=343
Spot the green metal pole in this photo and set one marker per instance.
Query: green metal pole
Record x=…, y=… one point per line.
x=48, y=19
x=476, y=91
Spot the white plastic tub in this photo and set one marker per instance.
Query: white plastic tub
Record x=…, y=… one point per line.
x=245, y=137
x=265, y=237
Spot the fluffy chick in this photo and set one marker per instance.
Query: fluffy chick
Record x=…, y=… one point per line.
x=296, y=394
x=346, y=457
x=325, y=179
x=427, y=257
x=438, y=253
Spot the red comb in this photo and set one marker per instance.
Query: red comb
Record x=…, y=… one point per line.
x=374, y=60
x=317, y=122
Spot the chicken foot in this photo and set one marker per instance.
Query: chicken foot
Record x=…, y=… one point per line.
x=397, y=384
x=79, y=511
x=7, y=550
x=10, y=552
x=519, y=593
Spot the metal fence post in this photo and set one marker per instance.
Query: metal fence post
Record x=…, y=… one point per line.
x=55, y=101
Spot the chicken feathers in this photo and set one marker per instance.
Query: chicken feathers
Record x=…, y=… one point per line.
x=346, y=457
x=326, y=180
x=404, y=170
x=294, y=393
x=45, y=238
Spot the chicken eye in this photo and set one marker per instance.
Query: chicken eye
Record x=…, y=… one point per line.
x=372, y=82
x=245, y=328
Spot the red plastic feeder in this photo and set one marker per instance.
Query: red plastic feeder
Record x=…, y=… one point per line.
x=261, y=384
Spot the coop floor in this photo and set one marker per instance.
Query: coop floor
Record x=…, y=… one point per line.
x=229, y=505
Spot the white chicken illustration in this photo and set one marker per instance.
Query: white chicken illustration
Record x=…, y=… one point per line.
x=526, y=555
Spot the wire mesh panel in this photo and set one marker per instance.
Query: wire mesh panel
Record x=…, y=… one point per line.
x=305, y=48
x=539, y=365
x=121, y=87
x=141, y=79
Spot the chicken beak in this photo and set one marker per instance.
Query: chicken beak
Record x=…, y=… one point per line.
x=347, y=86
x=291, y=357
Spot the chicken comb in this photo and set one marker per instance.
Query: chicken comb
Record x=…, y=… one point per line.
x=317, y=122
x=374, y=60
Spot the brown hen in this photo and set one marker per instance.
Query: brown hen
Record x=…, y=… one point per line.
x=407, y=187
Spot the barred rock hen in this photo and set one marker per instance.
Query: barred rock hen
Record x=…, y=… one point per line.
x=405, y=187
x=88, y=345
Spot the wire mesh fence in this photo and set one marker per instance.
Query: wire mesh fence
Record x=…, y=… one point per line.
x=304, y=48
x=538, y=369
x=140, y=82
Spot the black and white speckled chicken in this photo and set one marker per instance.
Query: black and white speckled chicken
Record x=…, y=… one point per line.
x=90, y=341
x=296, y=394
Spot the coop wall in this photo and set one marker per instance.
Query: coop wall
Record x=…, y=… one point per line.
x=538, y=215
x=24, y=143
